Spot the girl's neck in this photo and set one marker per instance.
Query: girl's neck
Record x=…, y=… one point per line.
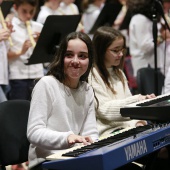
x=71, y=84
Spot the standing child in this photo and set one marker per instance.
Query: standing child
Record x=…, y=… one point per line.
x=91, y=11
x=21, y=75
x=141, y=44
x=4, y=35
x=50, y=7
x=62, y=109
x=67, y=7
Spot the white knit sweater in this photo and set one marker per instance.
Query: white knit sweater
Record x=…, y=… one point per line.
x=108, y=112
x=56, y=112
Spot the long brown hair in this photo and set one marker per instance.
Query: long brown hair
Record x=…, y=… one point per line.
x=103, y=38
x=57, y=66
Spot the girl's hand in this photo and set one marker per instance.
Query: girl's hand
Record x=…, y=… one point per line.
x=148, y=96
x=9, y=26
x=4, y=34
x=141, y=123
x=72, y=139
x=36, y=35
x=26, y=46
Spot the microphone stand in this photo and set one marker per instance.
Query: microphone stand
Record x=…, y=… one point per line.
x=157, y=8
x=155, y=36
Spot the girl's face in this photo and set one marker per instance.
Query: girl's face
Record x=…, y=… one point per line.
x=25, y=11
x=114, y=53
x=76, y=62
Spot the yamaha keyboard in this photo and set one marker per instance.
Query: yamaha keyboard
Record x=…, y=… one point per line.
x=156, y=109
x=114, y=151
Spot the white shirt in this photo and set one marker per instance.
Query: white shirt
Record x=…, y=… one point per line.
x=166, y=60
x=45, y=12
x=90, y=15
x=141, y=43
x=56, y=112
x=3, y=62
x=17, y=67
x=70, y=9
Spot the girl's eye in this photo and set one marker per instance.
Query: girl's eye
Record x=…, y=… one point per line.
x=83, y=56
x=69, y=55
x=115, y=51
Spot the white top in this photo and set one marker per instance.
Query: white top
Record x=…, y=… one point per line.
x=166, y=60
x=70, y=9
x=166, y=69
x=108, y=112
x=45, y=12
x=90, y=15
x=3, y=62
x=56, y=112
x=141, y=43
x=17, y=67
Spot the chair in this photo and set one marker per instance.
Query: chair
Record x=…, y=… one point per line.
x=146, y=81
x=14, y=144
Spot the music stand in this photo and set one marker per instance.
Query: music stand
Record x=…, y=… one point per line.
x=55, y=28
x=107, y=16
x=6, y=6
